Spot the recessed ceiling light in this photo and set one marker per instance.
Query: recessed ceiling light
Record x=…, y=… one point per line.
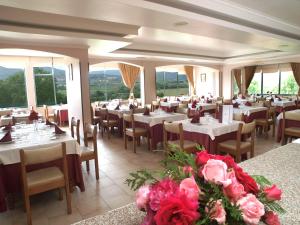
x=181, y=23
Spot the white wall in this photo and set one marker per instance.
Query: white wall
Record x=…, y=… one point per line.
x=210, y=85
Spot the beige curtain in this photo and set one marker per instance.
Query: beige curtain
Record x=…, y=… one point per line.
x=296, y=71
x=249, y=74
x=189, y=71
x=129, y=74
x=237, y=73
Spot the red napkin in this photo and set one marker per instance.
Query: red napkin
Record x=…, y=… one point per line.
x=118, y=107
x=243, y=97
x=248, y=104
x=131, y=106
x=202, y=96
x=8, y=127
x=276, y=96
x=272, y=99
x=178, y=100
x=194, y=104
x=58, y=130
x=33, y=115
x=196, y=118
x=49, y=123
x=104, y=106
x=165, y=100
x=208, y=100
x=235, y=105
x=234, y=98
x=6, y=137
x=147, y=112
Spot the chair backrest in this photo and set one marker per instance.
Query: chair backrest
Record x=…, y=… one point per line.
x=90, y=130
x=182, y=111
x=75, y=124
x=43, y=155
x=290, y=115
x=248, y=128
x=238, y=116
x=182, y=105
x=227, y=101
x=173, y=128
x=46, y=112
x=139, y=110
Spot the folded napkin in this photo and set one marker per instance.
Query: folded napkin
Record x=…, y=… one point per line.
x=165, y=100
x=104, y=106
x=196, y=118
x=243, y=97
x=131, y=106
x=272, y=99
x=248, y=104
x=8, y=127
x=234, y=98
x=194, y=104
x=147, y=112
x=58, y=130
x=49, y=123
x=6, y=137
x=202, y=96
x=118, y=107
x=33, y=115
x=178, y=100
x=235, y=105
x=278, y=97
x=208, y=100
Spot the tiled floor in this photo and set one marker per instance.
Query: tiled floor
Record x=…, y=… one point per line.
x=109, y=193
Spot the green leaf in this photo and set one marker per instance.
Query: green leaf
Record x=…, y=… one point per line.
x=139, y=178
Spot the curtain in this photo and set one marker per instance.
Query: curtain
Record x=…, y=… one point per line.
x=129, y=74
x=189, y=71
x=296, y=72
x=237, y=73
x=249, y=74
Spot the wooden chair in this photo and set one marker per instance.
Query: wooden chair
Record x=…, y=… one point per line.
x=154, y=105
x=239, y=117
x=88, y=153
x=176, y=128
x=265, y=123
x=138, y=110
x=75, y=124
x=289, y=132
x=95, y=119
x=46, y=179
x=239, y=147
x=47, y=115
x=134, y=132
x=106, y=123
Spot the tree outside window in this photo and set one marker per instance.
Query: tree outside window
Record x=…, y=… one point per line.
x=12, y=87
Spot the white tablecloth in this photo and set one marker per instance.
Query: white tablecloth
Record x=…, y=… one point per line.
x=25, y=137
x=4, y=112
x=247, y=110
x=283, y=103
x=169, y=104
x=157, y=118
x=297, y=111
x=119, y=113
x=210, y=126
x=205, y=106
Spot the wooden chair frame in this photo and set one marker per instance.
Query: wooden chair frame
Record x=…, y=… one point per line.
x=286, y=134
x=104, y=123
x=75, y=124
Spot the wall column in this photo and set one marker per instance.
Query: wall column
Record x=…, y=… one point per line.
x=30, y=84
x=149, y=84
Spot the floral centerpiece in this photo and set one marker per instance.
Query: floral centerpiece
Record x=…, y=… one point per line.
x=202, y=189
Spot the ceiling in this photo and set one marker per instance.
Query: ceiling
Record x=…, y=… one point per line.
x=213, y=31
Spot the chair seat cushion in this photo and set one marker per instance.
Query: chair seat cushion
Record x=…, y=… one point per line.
x=295, y=130
x=86, y=151
x=138, y=131
x=264, y=121
x=231, y=144
x=186, y=144
x=45, y=176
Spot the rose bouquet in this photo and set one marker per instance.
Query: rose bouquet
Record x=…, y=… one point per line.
x=203, y=189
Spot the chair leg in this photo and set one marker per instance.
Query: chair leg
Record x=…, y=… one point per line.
x=60, y=194
x=28, y=210
x=68, y=197
x=148, y=142
x=108, y=133
x=238, y=158
x=283, y=141
x=139, y=141
x=97, y=168
x=273, y=130
x=125, y=141
x=87, y=165
x=134, y=144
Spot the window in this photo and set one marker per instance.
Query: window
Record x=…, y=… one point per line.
x=107, y=84
x=12, y=87
x=278, y=83
x=50, y=86
x=171, y=84
x=235, y=87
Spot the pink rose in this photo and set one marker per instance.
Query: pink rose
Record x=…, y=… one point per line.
x=188, y=170
x=273, y=193
x=142, y=197
x=190, y=188
x=217, y=212
x=252, y=209
x=215, y=171
x=271, y=218
x=235, y=190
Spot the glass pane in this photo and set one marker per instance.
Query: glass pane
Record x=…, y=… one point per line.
x=271, y=83
x=171, y=84
x=12, y=87
x=255, y=85
x=60, y=85
x=235, y=87
x=288, y=83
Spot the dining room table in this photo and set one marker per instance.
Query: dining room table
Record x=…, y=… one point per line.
x=61, y=114
x=169, y=106
x=154, y=123
x=251, y=112
x=203, y=107
x=288, y=123
x=283, y=105
x=281, y=166
x=209, y=132
x=33, y=136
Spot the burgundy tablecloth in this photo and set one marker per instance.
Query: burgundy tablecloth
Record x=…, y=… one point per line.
x=10, y=177
x=280, y=109
x=288, y=123
x=155, y=132
x=62, y=116
x=192, y=111
x=169, y=109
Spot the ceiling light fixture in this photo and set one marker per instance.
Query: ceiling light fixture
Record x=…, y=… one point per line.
x=181, y=23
